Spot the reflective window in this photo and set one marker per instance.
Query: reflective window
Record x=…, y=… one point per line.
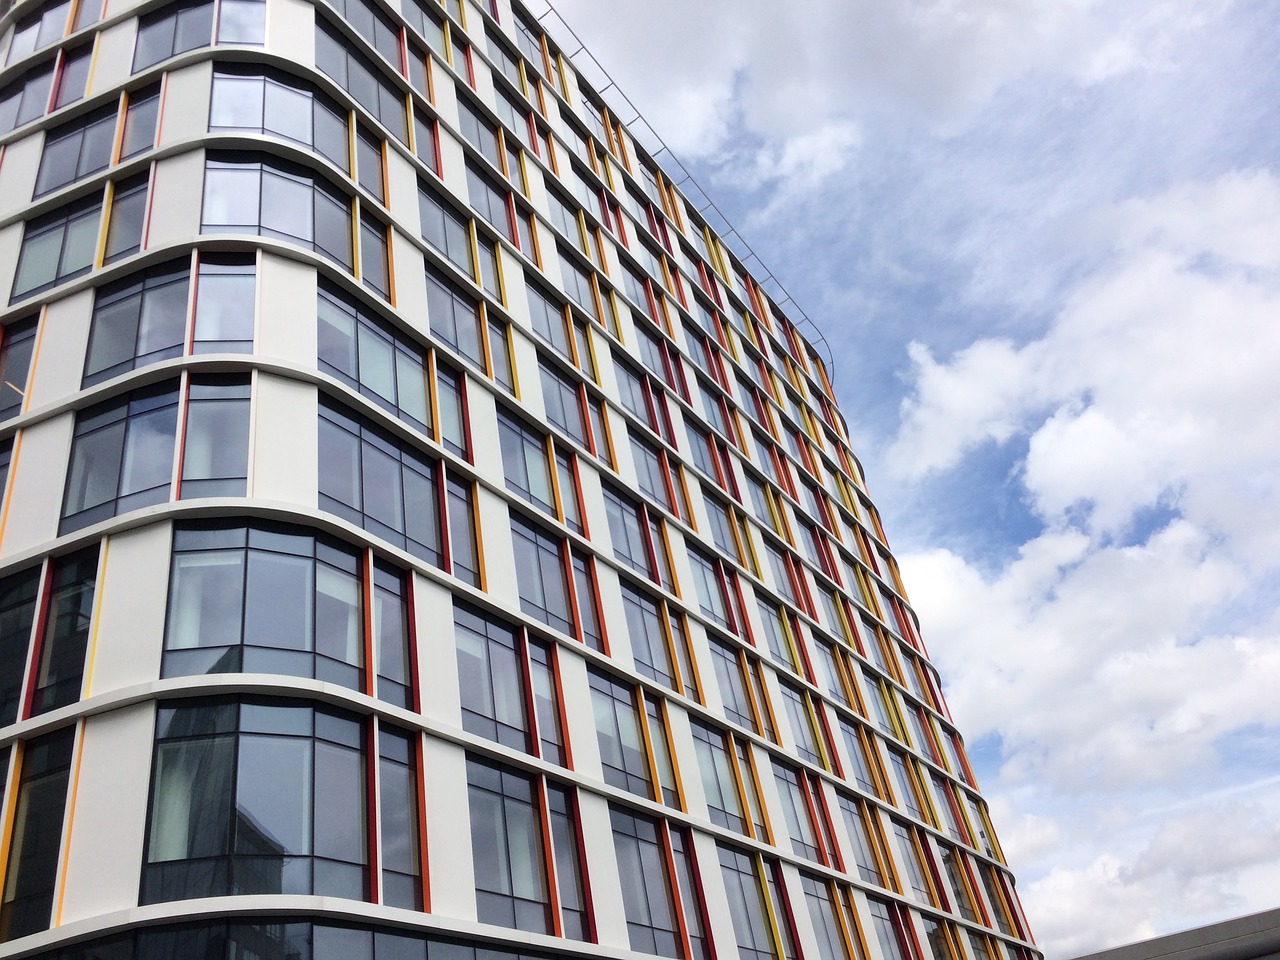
x=76, y=150
x=272, y=198
x=508, y=849
x=366, y=81
x=68, y=612
x=121, y=456
x=541, y=575
x=379, y=483
x=215, y=453
x=17, y=342
x=642, y=869
x=398, y=820
x=58, y=246
x=282, y=106
x=32, y=872
x=524, y=462
x=38, y=30
x=622, y=752
x=490, y=678
x=363, y=351
x=455, y=318
x=125, y=221
x=444, y=228
x=172, y=30
x=256, y=797
x=26, y=97
x=18, y=608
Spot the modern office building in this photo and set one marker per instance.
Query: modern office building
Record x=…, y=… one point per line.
x=421, y=537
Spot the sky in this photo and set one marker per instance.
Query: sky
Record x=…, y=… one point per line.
x=1042, y=239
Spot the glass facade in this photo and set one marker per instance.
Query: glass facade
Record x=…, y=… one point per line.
x=421, y=536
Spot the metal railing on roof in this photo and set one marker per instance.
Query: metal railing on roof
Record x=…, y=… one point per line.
x=644, y=133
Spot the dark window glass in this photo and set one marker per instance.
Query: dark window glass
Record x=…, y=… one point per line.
x=747, y=905
x=138, y=320
x=140, y=122
x=648, y=639
x=642, y=868
x=733, y=688
x=622, y=753
x=375, y=257
x=455, y=318
x=37, y=31
x=60, y=675
x=37, y=835
x=464, y=554
x=626, y=531
x=826, y=925
x=369, y=162
x=17, y=342
x=255, y=797
x=398, y=822
x=366, y=81
x=425, y=140
x=379, y=483
x=76, y=150
x=792, y=791
x=451, y=398
x=490, y=678
x=524, y=462
x=73, y=75
x=58, y=246
x=564, y=839
x=719, y=787
x=540, y=575
x=371, y=23
x=366, y=353
x=507, y=849
x=548, y=320
x=444, y=228
x=562, y=403
x=280, y=106
x=121, y=456
x=391, y=635
x=26, y=98
x=276, y=199
x=489, y=201
x=478, y=132
x=215, y=456
x=17, y=620
x=172, y=30
x=124, y=225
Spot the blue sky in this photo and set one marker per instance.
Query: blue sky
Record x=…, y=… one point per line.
x=1042, y=238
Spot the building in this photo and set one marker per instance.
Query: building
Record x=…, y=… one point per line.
x=421, y=537
x=1253, y=937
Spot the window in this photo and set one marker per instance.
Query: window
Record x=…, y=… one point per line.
x=375, y=255
x=125, y=221
x=646, y=880
x=712, y=583
x=38, y=30
x=215, y=455
x=121, y=456
x=455, y=318
x=562, y=813
x=720, y=778
x=281, y=600
x=659, y=479
x=32, y=873
x=889, y=922
x=524, y=462
x=962, y=900
x=508, y=849
x=366, y=353
x=622, y=749
x=366, y=81
x=76, y=150
x=659, y=642
x=140, y=117
x=27, y=97
x=444, y=229
x=638, y=538
x=58, y=246
x=489, y=201
x=825, y=914
x=564, y=403
x=142, y=318
x=256, y=797
x=541, y=575
x=578, y=284
x=760, y=917
x=401, y=852
x=779, y=634
x=732, y=669
x=172, y=30
x=368, y=20
x=857, y=740
x=479, y=132
x=380, y=483
x=804, y=723
x=17, y=342
x=803, y=812
x=68, y=611
x=18, y=608
x=549, y=321
x=862, y=829
x=281, y=106
x=272, y=198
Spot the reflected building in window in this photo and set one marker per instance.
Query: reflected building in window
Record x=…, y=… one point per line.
x=421, y=536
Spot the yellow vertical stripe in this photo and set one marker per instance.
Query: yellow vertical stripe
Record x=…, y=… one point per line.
x=99, y=592
x=71, y=816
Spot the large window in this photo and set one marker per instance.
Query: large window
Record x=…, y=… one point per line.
x=761, y=921
x=362, y=350
x=496, y=665
x=32, y=872
x=646, y=881
x=621, y=739
x=121, y=456
x=171, y=30
x=508, y=849
x=541, y=575
x=455, y=318
x=256, y=797
x=76, y=150
x=17, y=343
x=282, y=106
x=275, y=599
x=366, y=81
x=58, y=246
x=272, y=198
x=145, y=317
x=380, y=483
